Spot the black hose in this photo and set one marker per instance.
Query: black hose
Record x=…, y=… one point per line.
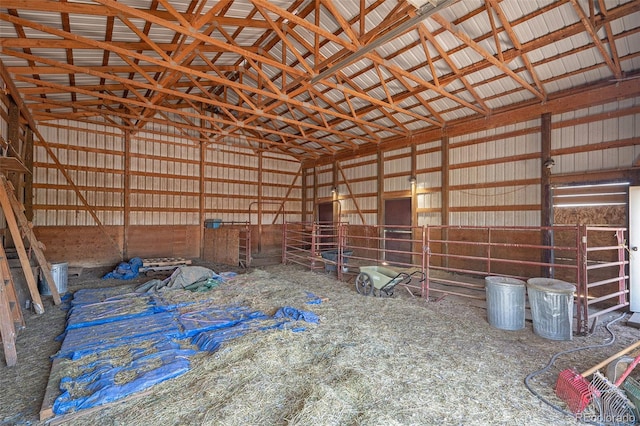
x=553, y=359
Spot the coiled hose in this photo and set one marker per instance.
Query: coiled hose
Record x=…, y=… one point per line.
x=553, y=360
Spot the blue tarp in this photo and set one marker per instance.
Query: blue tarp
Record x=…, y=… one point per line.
x=297, y=315
x=152, y=330
x=126, y=270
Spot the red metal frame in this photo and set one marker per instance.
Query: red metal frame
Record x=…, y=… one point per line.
x=442, y=256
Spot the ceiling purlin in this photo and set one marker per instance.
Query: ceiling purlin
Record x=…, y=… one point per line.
x=164, y=90
x=355, y=88
x=172, y=65
x=592, y=32
x=313, y=93
x=509, y=55
x=284, y=40
x=439, y=121
x=452, y=66
x=540, y=42
x=516, y=44
x=239, y=91
x=453, y=29
x=101, y=11
x=200, y=36
x=396, y=16
x=356, y=93
x=183, y=55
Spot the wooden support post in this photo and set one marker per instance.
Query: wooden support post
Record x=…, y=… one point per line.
x=22, y=253
x=201, y=197
x=305, y=211
x=380, y=192
x=28, y=178
x=546, y=207
x=127, y=194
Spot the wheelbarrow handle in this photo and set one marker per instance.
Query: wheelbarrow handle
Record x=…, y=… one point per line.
x=628, y=371
x=611, y=358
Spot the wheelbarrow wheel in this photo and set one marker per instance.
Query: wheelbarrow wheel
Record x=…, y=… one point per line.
x=364, y=284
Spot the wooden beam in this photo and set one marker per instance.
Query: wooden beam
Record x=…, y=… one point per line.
x=22, y=252
x=12, y=164
x=546, y=204
x=16, y=95
x=126, y=202
x=201, y=198
x=444, y=176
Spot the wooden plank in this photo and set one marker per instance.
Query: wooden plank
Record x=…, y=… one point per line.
x=22, y=253
x=12, y=164
x=52, y=391
x=165, y=261
x=34, y=244
x=7, y=330
x=12, y=297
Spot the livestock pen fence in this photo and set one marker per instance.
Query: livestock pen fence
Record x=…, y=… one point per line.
x=455, y=259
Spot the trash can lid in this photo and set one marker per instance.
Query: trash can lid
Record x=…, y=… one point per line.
x=551, y=285
x=506, y=281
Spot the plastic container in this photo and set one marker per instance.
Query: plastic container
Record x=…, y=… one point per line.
x=212, y=223
x=332, y=255
x=551, y=304
x=506, y=299
x=60, y=273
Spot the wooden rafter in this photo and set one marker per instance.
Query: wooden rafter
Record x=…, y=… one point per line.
x=588, y=25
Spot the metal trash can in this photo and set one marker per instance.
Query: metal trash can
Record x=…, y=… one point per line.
x=505, y=302
x=551, y=304
x=60, y=273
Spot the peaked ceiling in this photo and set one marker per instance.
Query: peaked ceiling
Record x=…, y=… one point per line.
x=309, y=78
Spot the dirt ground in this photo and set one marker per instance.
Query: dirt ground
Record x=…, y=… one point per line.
x=370, y=361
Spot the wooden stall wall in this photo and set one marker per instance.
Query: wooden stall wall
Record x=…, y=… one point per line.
x=494, y=177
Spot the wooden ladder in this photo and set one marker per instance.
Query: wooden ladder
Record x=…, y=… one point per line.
x=21, y=228
x=11, y=317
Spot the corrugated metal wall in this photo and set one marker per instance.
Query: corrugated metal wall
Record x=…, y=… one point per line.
x=596, y=138
x=494, y=177
x=429, y=183
x=165, y=179
x=359, y=205
x=93, y=156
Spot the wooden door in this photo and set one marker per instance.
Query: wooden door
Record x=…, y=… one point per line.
x=397, y=240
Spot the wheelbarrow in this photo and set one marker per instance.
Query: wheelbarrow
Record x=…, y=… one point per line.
x=380, y=281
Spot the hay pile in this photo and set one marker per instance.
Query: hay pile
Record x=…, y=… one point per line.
x=370, y=361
